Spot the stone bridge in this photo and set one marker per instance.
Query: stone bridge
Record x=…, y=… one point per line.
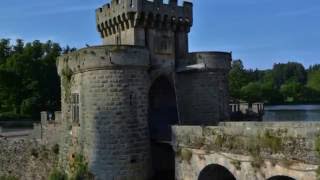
x=247, y=151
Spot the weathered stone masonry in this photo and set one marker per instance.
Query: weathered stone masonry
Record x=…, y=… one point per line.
x=120, y=100
x=248, y=150
x=143, y=42
x=112, y=132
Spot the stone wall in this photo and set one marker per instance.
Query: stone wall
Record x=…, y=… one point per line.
x=113, y=127
x=248, y=150
x=202, y=88
x=112, y=132
x=50, y=130
x=26, y=159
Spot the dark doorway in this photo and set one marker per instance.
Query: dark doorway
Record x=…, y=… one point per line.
x=281, y=178
x=162, y=114
x=216, y=172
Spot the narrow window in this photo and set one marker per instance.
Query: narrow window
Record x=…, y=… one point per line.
x=75, y=108
x=131, y=3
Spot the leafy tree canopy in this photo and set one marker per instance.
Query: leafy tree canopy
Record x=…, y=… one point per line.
x=29, y=82
x=284, y=83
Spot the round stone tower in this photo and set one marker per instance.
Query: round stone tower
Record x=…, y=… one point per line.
x=104, y=103
x=202, y=88
x=120, y=100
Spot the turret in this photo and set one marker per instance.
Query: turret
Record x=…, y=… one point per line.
x=138, y=22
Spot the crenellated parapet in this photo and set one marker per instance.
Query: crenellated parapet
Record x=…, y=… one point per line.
x=121, y=15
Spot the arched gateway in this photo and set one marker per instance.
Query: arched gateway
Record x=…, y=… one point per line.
x=162, y=114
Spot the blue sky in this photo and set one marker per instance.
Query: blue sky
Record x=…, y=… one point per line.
x=260, y=32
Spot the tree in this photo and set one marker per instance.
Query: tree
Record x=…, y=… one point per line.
x=252, y=92
x=288, y=82
x=238, y=77
x=29, y=81
x=291, y=91
x=314, y=80
x=291, y=71
x=5, y=49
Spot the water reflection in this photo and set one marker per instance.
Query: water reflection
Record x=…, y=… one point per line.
x=292, y=113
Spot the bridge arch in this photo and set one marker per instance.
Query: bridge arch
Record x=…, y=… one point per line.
x=216, y=172
x=280, y=178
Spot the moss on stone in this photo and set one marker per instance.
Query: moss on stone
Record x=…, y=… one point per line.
x=317, y=148
x=268, y=140
x=79, y=168
x=58, y=174
x=237, y=164
x=66, y=83
x=197, y=142
x=34, y=152
x=286, y=162
x=185, y=154
x=219, y=140
x=55, y=149
x=8, y=177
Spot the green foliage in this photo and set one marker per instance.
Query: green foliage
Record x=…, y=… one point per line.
x=34, y=153
x=290, y=71
x=55, y=149
x=291, y=91
x=238, y=77
x=317, y=148
x=66, y=83
x=8, y=178
x=79, y=168
x=285, y=83
x=237, y=164
x=269, y=140
x=57, y=174
x=185, y=154
x=29, y=82
x=252, y=92
x=314, y=80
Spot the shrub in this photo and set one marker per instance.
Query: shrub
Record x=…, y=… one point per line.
x=56, y=174
x=34, y=153
x=55, y=149
x=79, y=168
x=186, y=155
x=8, y=178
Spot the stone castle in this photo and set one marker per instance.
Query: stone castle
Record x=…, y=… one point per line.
x=141, y=107
x=121, y=99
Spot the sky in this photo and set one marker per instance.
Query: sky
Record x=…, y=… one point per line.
x=259, y=32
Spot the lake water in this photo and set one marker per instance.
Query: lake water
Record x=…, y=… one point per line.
x=292, y=113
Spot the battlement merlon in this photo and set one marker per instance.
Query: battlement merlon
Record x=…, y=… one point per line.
x=124, y=14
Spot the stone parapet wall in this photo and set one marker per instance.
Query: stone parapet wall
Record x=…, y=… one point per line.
x=270, y=142
x=104, y=57
x=249, y=150
x=191, y=163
